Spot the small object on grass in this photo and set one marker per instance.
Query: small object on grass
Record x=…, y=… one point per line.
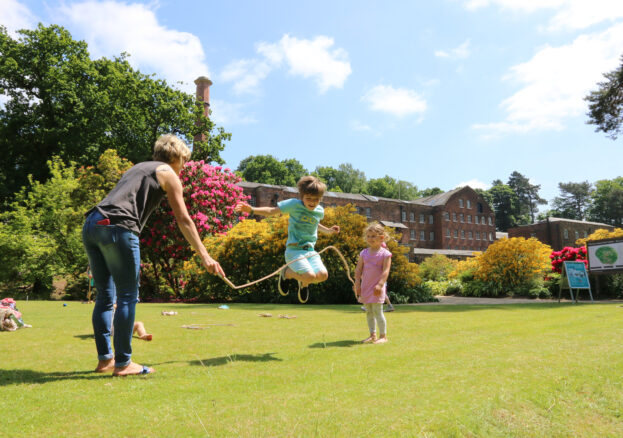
x=224, y=306
x=64, y=304
x=194, y=327
x=287, y=316
x=265, y=315
x=171, y=313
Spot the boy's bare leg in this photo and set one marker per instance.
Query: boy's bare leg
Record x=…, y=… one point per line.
x=139, y=329
x=307, y=278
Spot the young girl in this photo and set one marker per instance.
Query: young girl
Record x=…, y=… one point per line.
x=371, y=280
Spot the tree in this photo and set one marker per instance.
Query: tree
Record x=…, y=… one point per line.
x=504, y=201
x=527, y=196
x=574, y=200
x=329, y=176
x=430, y=192
x=60, y=102
x=388, y=187
x=266, y=169
x=606, y=103
x=607, y=202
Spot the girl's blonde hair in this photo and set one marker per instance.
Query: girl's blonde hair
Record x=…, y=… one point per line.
x=169, y=148
x=376, y=228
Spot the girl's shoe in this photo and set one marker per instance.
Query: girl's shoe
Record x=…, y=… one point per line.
x=390, y=309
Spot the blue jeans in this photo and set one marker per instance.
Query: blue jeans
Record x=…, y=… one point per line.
x=115, y=260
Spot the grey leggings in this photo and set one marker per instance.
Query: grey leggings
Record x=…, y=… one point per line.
x=375, y=316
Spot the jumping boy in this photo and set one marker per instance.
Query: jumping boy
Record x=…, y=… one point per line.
x=303, y=225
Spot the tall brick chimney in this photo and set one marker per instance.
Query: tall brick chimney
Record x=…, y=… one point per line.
x=203, y=95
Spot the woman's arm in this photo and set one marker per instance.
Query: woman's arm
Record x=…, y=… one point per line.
x=260, y=211
x=324, y=230
x=171, y=184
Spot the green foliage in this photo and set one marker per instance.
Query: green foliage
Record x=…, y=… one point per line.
x=437, y=267
x=388, y=187
x=40, y=232
x=527, y=195
x=607, y=202
x=444, y=287
x=252, y=250
x=606, y=103
x=63, y=103
x=574, y=200
x=343, y=179
x=266, y=169
x=503, y=200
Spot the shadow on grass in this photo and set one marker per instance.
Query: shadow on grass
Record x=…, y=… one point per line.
x=224, y=360
x=85, y=337
x=347, y=343
x=455, y=308
x=16, y=377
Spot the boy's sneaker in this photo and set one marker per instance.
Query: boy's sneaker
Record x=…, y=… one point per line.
x=390, y=309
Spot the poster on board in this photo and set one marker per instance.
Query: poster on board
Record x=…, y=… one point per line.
x=577, y=275
x=605, y=255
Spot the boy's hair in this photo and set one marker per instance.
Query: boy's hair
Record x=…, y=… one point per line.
x=169, y=148
x=376, y=228
x=310, y=185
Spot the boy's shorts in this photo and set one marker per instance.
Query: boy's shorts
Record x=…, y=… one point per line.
x=309, y=264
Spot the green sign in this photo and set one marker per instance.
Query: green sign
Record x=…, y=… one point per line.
x=577, y=276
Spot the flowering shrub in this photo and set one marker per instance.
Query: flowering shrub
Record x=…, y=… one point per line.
x=600, y=234
x=210, y=194
x=510, y=264
x=437, y=267
x=252, y=250
x=567, y=254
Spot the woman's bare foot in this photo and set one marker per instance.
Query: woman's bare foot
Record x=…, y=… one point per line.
x=381, y=340
x=369, y=340
x=133, y=369
x=147, y=337
x=105, y=366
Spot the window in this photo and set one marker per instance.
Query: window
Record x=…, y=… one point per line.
x=422, y=235
x=368, y=212
x=477, y=234
x=565, y=233
x=430, y=219
x=469, y=218
x=483, y=221
x=491, y=237
x=462, y=234
x=469, y=235
x=490, y=223
x=469, y=204
x=476, y=220
x=446, y=216
x=358, y=210
x=454, y=217
x=462, y=218
x=412, y=234
x=479, y=207
x=577, y=235
x=460, y=203
x=253, y=201
x=431, y=236
x=456, y=234
x=533, y=235
x=585, y=233
x=448, y=232
x=411, y=217
x=421, y=218
x=403, y=215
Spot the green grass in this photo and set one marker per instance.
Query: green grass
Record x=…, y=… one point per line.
x=550, y=370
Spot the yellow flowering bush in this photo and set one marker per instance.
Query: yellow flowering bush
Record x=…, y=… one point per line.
x=252, y=250
x=599, y=234
x=509, y=264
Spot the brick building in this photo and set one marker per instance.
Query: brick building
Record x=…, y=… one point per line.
x=558, y=232
x=453, y=223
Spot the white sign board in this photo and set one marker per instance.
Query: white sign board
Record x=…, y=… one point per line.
x=605, y=255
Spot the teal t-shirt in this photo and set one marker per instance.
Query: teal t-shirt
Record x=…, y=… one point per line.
x=303, y=223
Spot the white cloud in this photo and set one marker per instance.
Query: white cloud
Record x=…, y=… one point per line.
x=460, y=52
x=555, y=82
x=474, y=184
x=315, y=59
x=15, y=16
x=356, y=125
x=111, y=27
x=227, y=113
x=395, y=101
x=569, y=14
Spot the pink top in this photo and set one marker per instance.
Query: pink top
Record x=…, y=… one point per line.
x=371, y=274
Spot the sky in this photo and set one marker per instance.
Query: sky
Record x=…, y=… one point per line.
x=439, y=93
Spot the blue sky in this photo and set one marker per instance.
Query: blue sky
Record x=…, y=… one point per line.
x=438, y=93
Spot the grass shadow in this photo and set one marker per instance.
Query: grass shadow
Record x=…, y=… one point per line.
x=84, y=337
x=16, y=377
x=224, y=360
x=346, y=343
x=456, y=308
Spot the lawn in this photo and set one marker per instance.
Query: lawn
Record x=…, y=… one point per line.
x=509, y=370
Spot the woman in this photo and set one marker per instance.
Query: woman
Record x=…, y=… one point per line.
x=110, y=237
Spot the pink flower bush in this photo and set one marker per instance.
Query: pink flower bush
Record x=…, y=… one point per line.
x=567, y=254
x=210, y=194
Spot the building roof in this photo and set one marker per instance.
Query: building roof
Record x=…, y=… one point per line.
x=392, y=224
x=439, y=199
x=562, y=219
x=447, y=252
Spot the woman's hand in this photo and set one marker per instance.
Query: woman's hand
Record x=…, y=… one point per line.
x=212, y=266
x=243, y=207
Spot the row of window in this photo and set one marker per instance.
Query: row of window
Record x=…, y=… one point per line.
x=478, y=220
x=464, y=235
x=431, y=235
x=468, y=204
x=565, y=234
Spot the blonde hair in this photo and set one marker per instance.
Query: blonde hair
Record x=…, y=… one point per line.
x=169, y=148
x=376, y=228
x=310, y=185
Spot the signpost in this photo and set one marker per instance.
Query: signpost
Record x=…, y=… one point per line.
x=574, y=276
